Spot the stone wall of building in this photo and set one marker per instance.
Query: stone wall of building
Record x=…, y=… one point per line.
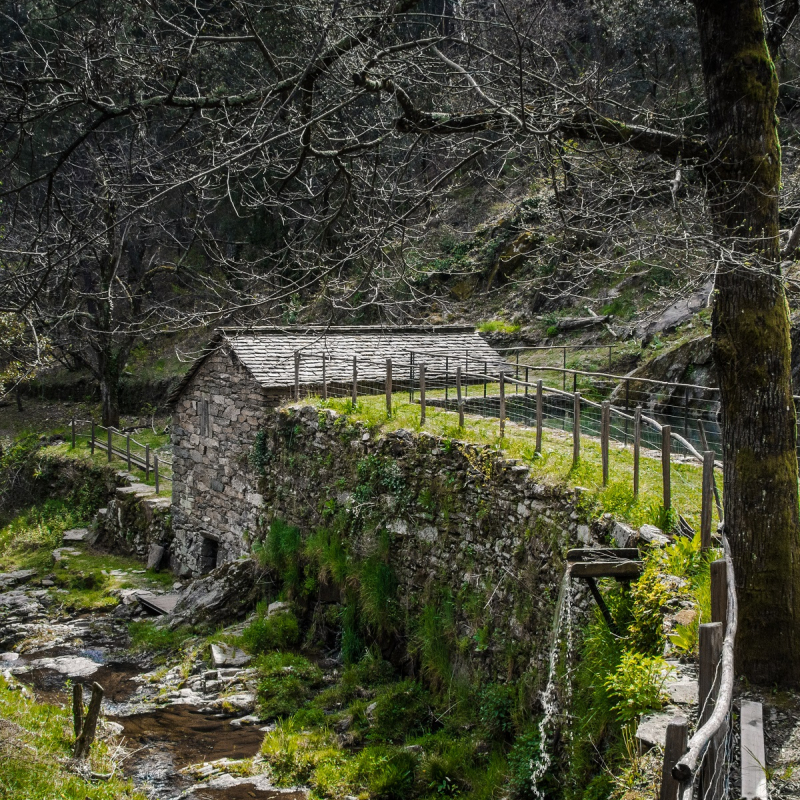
x=463, y=521
x=214, y=499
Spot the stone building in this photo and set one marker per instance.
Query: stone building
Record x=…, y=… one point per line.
x=227, y=395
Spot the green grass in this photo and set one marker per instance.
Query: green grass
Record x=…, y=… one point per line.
x=35, y=744
x=498, y=326
x=554, y=465
x=150, y=637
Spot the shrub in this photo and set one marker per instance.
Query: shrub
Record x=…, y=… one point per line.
x=401, y=711
x=390, y=776
x=637, y=685
x=281, y=551
x=285, y=683
x=278, y=632
x=496, y=709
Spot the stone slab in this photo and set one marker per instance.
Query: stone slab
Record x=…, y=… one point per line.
x=160, y=603
x=224, y=655
x=155, y=556
x=76, y=535
x=652, y=730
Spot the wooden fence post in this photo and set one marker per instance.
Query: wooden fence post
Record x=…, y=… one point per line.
x=719, y=593
x=296, y=376
x=86, y=736
x=711, y=637
x=539, y=400
x=674, y=748
x=421, y=394
x=128, y=451
x=446, y=381
x=666, y=463
x=564, y=372
x=77, y=708
x=576, y=428
x=324, y=378
x=147, y=462
x=155, y=471
x=411, y=378
x=73, y=433
x=708, y=493
x=458, y=398
x=526, y=381
x=637, y=443
x=92, y=439
x=109, y=444
x=355, y=381
x=485, y=379
x=389, y=386
x=704, y=440
x=605, y=433
x=502, y=404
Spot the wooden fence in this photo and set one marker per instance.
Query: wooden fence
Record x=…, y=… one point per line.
x=125, y=447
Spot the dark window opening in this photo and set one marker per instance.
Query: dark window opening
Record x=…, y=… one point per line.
x=209, y=554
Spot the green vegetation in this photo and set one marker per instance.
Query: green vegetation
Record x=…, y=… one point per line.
x=498, y=326
x=278, y=632
x=148, y=636
x=554, y=464
x=36, y=744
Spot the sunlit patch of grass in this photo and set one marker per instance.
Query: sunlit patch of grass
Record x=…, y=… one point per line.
x=35, y=745
x=554, y=465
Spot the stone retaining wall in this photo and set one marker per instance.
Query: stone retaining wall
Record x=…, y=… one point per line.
x=462, y=520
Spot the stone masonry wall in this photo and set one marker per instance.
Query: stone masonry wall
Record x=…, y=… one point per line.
x=214, y=425
x=462, y=520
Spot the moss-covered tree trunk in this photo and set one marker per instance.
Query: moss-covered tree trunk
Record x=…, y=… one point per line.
x=751, y=337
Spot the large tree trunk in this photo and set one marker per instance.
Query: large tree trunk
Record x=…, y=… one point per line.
x=751, y=338
x=109, y=372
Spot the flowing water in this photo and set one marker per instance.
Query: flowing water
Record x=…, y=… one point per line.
x=560, y=640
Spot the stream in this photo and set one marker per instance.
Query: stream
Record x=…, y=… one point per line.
x=173, y=727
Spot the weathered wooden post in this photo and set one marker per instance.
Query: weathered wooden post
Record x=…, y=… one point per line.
x=147, y=462
x=605, y=433
x=91, y=441
x=73, y=433
x=485, y=377
x=686, y=413
x=155, y=471
x=411, y=378
x=296, y=376
x=502, y=404
x=354, y=397
x=719, y=593
x=637, y=443
x=446, y=380
x=389, y=386
x=711, y=636
x=77, y=708
x=576, y=428
x=674, y=748
x=526, y=381
x=564, y=372
x=86, y=736
x=458, y=398
x=324, y=378
x=708, y=494
x=128, y=451
x=421, y=394
x=704, y=441
x=539, y=403
x=516, y=375
x=666, y=463
x=109, y=444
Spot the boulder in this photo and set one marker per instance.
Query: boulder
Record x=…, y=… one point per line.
x=155, y=556
x=278, y=607
x=652, y=730
x=221, y=597
x=15, y=578
x=76, y=535
x=623, y=535
x=224, y=655
x=653, y=535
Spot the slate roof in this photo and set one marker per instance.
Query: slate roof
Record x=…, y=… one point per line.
x=268, y=353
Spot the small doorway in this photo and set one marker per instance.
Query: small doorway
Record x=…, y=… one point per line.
x=208, y=554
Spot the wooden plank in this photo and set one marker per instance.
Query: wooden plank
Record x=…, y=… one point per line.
x=707, y=500
x=719, y=592
x=160, y=603
x=607, y=569
x=539, y=400
x=602, y=554
x=754, y=776
x=637, y=443
x=674, y=748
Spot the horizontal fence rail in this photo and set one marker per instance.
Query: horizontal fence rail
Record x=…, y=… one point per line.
x=121, y=445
